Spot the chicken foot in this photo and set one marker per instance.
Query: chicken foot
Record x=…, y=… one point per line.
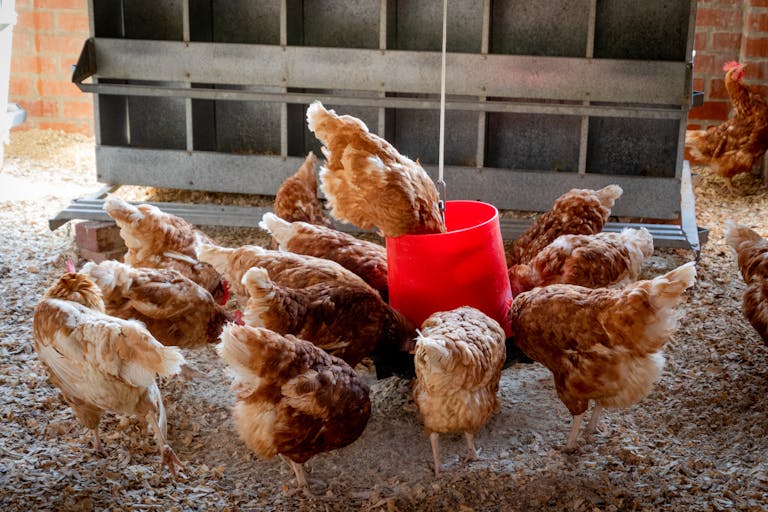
x=592, y=427
x=434, y=441
x=570, y=444
x=167, y=455
x=298, y=470
x=97, y=446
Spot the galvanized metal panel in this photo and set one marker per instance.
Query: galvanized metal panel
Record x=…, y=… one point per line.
x=554, y=28
x=530, y=141
x=157, y=122
x=251, y=174
x=246, y=21
x=627, y=29
x=418, y=26
x=557, y=78
x=341, y=24
x=639, y=147
x=149, y=19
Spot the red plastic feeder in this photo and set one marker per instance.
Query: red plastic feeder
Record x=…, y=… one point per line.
x=465, y=266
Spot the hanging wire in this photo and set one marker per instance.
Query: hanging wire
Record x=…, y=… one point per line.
x=441, y=150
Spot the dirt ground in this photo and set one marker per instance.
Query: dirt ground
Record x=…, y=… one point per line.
x=698, y=442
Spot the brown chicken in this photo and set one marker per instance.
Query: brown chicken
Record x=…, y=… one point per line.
x=156, y=239
x=296, y=199
x=737, y=145
x=285, y=268
x=366, y=259
x=604, y=345
x=346, y=320
x=594, y=261
x=102, y=363
x=176, y=310
x=292, y=398
x=577, y=212
x=459, y=357
x=368, y=183
x=752, y=252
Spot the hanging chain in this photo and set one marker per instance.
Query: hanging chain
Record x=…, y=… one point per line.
x=440, y=166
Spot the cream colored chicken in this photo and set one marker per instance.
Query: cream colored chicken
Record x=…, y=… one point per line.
x=102, y=363
x=368, y=183
x=459, y=358
x=366, y=259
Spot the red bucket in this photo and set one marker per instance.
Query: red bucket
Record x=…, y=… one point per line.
x=465, y=266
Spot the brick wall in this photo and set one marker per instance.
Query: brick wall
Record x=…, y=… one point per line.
x=47, y=40
x=49, y=35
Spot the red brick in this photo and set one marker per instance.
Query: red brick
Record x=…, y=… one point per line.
x=718, y=18
x=72, y=23
x=701, y=41
x=21, y=86
x=42, y=108
x=726, y=41
x=757, y=22
x=69, y=127
x=758, y=3
x=711, y=110
x=59, y=44
x=36, y=20
x=756, y=47
x=717, y=89
x=99, y=236
x=698, y=84
x=78, y=108
x=23, y=45
x=62, y=4
x=98, y=257
x=693, y=126
x=57, y=88
x=756, y=71
x=35, y=65
x=704, y=64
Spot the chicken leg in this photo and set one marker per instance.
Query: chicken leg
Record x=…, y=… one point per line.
x=167, y=455
x=592, y=425
x=97, y=442
x=471, y=451
x=434, y=441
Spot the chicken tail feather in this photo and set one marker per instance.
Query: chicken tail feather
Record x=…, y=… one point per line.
x=120, y=210
x=608, y=195
x=281, y=230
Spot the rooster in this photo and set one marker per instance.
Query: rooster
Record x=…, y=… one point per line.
x=577, y=212
x=594, y=261
x=292, y=398
x=156, y=239
x=459, y=357
x=604, y=345
x=752, y=253
x=737, y=145
x=102, y=363
x=368, y=183
x=366, y=259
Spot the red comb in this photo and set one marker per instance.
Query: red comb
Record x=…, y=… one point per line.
x=730, y=65
x=225, y=293
x=71, y=266
x=239, y=317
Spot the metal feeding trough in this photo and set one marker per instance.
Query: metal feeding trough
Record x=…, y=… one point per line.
x=540, y=98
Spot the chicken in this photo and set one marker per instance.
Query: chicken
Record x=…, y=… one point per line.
x=366, y=259
x=593, y=261
x=175, y=309
x=459, y=356
x=368, y=183
x=346, y=320
x=737, y=145
x=296, y=199
x=577, y=212
x=285, y=268
x=156, y=239
x=292, y=398
x=752, y=252
x=604, y=345
x=102, y=363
